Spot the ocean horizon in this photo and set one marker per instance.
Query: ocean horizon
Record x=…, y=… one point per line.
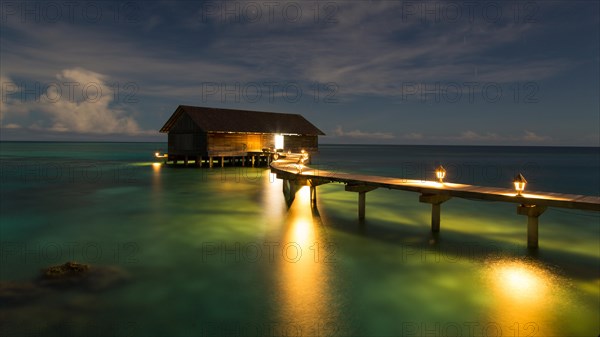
x=211, y=252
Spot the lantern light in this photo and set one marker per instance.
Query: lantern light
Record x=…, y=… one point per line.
x=440, y=173
x=520, y=183
x=304, y=156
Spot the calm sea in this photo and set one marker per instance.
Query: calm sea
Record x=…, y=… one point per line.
x=216, y=252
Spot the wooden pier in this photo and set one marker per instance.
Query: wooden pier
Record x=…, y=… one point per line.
x=530, y=204
x=250, y=159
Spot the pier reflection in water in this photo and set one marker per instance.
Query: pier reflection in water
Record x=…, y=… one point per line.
x=305, y=274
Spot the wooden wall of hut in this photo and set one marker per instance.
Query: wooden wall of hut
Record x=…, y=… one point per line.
x=298, y=143
x=237, y=143
x=186, y=138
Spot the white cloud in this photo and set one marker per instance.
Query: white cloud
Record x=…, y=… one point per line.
x=527, y=136
x=533, y=137
x=339, y=132
x=86, y=105
x=92, y=113
x=413, y=136
x=471, y=135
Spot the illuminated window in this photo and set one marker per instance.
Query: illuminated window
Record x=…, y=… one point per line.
x=279, y=141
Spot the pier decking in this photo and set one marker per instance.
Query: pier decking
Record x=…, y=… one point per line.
x=531, y=204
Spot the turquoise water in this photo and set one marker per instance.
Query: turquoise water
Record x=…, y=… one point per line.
x=199, y=252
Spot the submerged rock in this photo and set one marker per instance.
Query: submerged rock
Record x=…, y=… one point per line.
x=73, y=274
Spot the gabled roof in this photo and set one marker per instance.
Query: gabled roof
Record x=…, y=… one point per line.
x=229, y=120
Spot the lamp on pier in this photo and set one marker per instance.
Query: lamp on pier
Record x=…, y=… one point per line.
x=304, y=156
x=520, y=183
x=440, y=173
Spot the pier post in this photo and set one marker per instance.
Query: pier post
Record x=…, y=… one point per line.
x=436, y=201
x=210, y=162
x=222, y=161
x=362, y=196
x=286, y=187
x=532, y=212
x=185, y=161
x=252, y=161
x=313, y=195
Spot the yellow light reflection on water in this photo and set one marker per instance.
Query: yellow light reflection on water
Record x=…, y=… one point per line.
x=521, y=282
x=524, y=296
x=157, y=190
x=304, y=281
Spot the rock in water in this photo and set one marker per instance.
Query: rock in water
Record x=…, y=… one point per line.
x=68, y=274
x=73, y=274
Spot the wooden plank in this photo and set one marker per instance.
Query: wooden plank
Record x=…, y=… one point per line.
x=287, y=167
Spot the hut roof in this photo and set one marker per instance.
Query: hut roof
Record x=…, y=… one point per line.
x=229, y=120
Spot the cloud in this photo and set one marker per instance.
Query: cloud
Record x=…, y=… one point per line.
x=86, y=105
x=339, y=132
x=92, y=113
x=471, y=135
x=413, y=136
x=528, y=136
x=3, y=106
x=385, y=52
x=533, y=137
x=10, y=100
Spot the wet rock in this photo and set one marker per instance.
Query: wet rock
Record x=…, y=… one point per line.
x=64, y=275
x=78, y=275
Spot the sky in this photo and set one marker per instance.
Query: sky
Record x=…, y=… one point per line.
x=366, y=72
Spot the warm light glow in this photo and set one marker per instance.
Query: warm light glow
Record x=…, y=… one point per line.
x=440, y=173
x=523, y=291
x=156, y=166
x=520, y=183
x=520, y=281
x=278, y=141
x=156, y=154
x=303, y=283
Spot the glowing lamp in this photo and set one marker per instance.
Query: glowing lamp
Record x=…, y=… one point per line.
x=156, y=154
x=304, y=156
x=520, y=183
x=440, y=173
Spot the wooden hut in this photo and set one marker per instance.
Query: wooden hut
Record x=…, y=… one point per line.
x=201, y=133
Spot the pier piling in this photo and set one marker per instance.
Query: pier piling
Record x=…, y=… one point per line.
x=533, y=213
x=362, y=196
x=436, y=200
